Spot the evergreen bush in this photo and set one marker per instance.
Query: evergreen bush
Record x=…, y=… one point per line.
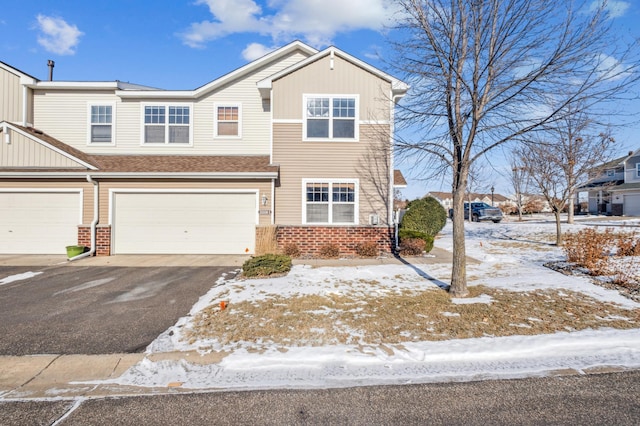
x=424, y=215
x=266, y=265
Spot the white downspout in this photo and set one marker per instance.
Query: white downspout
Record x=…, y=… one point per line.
x=25, y=106
x=94, y=222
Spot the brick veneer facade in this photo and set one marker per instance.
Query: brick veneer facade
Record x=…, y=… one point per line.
x=103, y=236
x=310, y=239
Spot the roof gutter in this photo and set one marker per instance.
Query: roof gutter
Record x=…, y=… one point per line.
x=145, y=175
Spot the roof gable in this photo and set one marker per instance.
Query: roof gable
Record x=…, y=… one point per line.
x=399, y=87
x=276, y=55
x=60, y=155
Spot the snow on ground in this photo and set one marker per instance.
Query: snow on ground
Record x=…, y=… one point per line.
x=500, y=265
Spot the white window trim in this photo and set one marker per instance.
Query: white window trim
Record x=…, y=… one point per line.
x=113, y=123
x=356, y=204
x=356, y=131
x=215, y=119
x=166, y=105
x=638, y=170
x=611, y=172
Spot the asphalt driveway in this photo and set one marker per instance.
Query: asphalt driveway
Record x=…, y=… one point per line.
x=72, y=309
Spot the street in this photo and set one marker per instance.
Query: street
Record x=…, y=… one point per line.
x=610, y=399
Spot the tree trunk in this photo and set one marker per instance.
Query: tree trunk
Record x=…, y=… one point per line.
x=556, y=212
x=570, y=208
x=459, y=268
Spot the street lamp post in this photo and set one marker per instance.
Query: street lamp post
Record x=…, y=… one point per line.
x=492, y=189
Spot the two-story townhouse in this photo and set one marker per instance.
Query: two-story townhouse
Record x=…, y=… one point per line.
x=614, y=187
x=300, y=139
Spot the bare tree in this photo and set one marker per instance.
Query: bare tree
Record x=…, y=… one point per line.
x=519, y=179
x=482, y=73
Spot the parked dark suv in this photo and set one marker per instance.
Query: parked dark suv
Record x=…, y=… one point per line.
x=480, y=211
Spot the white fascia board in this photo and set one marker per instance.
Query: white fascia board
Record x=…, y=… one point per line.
x=49, y=146
x=76, y=85
x=226, y=79
x=151, y=175
x=155, y=94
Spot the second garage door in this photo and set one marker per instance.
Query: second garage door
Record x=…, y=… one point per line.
x=184, y=223
x=632, y=205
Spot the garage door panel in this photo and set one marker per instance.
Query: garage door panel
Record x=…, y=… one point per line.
x=200, y=223
x=38, y=223
x=632, y=205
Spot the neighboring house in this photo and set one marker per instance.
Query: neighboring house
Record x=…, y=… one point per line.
x=496, y=200
x=614, y=187
x=299, y=138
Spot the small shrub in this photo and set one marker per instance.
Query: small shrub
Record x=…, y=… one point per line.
x=266, y=265
x=425, y=215
x=408, y=234
x=412, y=247
x=627, y=244
x=589, y=248
x=330, y=251
x=291, y=250
x=367, y=249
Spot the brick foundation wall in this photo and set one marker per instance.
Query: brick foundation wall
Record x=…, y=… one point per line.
x=103, y=237
x=310, y=239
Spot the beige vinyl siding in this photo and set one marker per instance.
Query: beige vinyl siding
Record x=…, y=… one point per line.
x=63, y=115
x=24, y=152
x=366, y=161
x=10, y=97
x=344, y=79
x=264, y=188
x=87, y=191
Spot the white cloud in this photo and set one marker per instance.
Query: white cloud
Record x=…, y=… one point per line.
x=616, y=8
x=315, y=21
x=57, y=36
x=256, y=50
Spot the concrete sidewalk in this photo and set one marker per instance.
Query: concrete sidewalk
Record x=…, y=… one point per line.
x=75, y=376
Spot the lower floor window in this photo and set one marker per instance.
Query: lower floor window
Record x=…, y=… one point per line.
x=330, y=202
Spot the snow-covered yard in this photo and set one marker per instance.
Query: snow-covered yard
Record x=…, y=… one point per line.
x=347, y=326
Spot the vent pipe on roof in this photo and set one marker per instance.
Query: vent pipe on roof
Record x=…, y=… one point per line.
x=51, y=64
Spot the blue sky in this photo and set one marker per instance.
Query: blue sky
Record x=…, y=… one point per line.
x=183, y=44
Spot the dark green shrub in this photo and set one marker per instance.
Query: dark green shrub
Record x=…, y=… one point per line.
x=266, y=265
x=330, y=251
x=367, y=249
x=424, y=215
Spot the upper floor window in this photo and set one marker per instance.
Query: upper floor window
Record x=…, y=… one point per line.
x=331, y=117
x=330, y=202
x=167, y=124
x=101, y=124
x=611, y=172
x=638, y=170
x=227, y=122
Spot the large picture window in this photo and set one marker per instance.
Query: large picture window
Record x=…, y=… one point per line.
x=330, y=117
x=101, y=124
x=167, y=124
x=330, y=202
x=227, y=121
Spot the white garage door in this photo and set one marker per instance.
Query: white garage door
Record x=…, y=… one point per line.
x=184, y=223
x=39, y=222
x=632, y=205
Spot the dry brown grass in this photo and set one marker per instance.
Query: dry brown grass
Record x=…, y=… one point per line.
x=266, y=240
x=402, y=316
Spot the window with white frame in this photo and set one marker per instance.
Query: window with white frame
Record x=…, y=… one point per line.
x=167, y=124
x=611, y=172
x=101, y=124
x=638, y=170
x=331, y=202
x=227, y=121
x=331, y=117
